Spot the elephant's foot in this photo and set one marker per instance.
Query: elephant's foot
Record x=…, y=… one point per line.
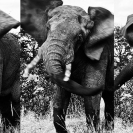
x=60, y=126
x=93, y=127
x=60, y=129
x=10, y=121
x=108, y=97
x=59, y=121
x=92, y=111
x=93, y=123
x=10, y=116
x=109, y=125
x=109, y=120
x=9, y=129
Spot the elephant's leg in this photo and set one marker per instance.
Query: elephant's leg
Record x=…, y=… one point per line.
x=16, y=104
x=61, y=102
x=95, y=77
x=15, y=121
x=92, y=110
x=10, y=115
x=1, y=71
x=108, y=97
x=5, y=107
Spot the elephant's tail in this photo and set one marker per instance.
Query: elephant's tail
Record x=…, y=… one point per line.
x=31, y=65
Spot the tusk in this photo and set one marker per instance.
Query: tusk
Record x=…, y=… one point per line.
x=26, y=72
x=30, y=66
x=67, y=72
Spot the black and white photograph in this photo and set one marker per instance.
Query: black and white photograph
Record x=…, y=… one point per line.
x=66, y=66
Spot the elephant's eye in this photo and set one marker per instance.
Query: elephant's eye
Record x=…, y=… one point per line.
x=80, y=37
x=47, y=26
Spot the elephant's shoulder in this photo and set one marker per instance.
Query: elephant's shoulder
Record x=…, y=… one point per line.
x=9, y=43
x=9, y=48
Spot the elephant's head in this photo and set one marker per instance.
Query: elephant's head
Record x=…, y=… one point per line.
x=70, y=28
x=7, y=23
x=127, y=30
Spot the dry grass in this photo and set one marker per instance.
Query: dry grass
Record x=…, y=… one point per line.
x=75, y=123
x=31, y=124
x=10, y=129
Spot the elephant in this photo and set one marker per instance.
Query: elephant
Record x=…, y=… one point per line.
x=127, y=72
x=77, y=50
x=9, y=72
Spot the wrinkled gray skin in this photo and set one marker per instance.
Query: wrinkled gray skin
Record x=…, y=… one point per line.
x=86, y=41
x=127, y=73
x=9, y=72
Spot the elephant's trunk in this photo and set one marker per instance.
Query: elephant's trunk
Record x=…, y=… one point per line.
x=55, y=57
x=76, y=88
x=129, y=35
x=125, y=75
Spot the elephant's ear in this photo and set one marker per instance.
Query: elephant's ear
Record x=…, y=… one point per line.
x=127, y=30
x=7, y=23
x=103, y=28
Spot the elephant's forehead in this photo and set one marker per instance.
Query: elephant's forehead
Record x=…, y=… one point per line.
x=65, y=15
x=65, y=26
x=64, y=19
x=68, y=11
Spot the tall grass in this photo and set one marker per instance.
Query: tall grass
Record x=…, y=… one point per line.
x=9, y=129
x=30, y=123
x=75, y=123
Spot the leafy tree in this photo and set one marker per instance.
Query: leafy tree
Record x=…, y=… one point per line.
x=36, y=90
